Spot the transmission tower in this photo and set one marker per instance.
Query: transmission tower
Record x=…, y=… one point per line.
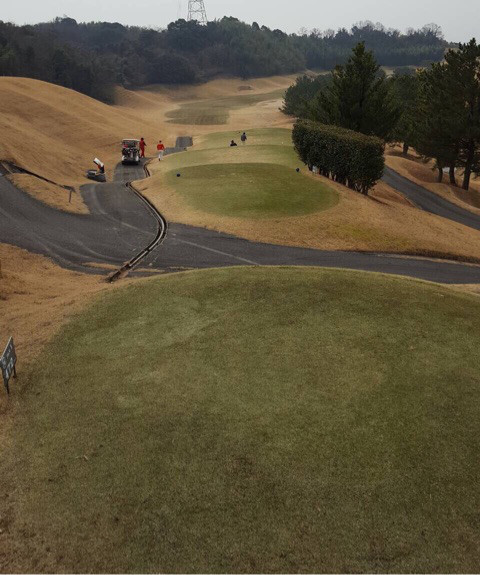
x=196, y=11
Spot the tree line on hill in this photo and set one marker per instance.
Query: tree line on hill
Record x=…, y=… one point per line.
x=435, y=110
x=92, y=57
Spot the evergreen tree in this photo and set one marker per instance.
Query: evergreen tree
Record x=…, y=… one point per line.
x=92, y=56
x=448, y=127
x=464, y=82
x=438, y=125
x=406, y=87
x=359, y=98
x=299, y=96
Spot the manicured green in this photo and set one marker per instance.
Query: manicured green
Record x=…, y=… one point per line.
x=252, y=420
x=251, y=190
x=216, y=113
x=257, y=137
x=256, y=180
x=268, y=145
x=252, y=153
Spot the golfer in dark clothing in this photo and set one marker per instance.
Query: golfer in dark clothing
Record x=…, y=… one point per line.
x=233, y=144
x=244, y=138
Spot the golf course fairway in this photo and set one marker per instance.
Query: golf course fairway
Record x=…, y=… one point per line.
x=251, y=190
x=253, y=420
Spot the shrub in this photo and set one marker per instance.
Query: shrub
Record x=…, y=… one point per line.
x=347, y=157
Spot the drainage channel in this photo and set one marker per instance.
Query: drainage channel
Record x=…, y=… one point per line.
x=159, y=238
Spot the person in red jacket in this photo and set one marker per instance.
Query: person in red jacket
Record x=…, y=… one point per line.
x=143, y=145
x=161, y=150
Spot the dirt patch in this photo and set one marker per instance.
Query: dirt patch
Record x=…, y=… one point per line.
x=50, y=194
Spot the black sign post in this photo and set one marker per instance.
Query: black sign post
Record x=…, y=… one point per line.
x=8, y=361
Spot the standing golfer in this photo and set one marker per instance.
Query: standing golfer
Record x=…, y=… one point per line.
x=143, y=145
x=244, y=138
x=161, y=150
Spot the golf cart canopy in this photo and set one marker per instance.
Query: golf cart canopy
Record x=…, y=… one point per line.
x=131, y=143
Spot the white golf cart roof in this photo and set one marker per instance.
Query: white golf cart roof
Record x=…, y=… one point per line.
x=130, y=140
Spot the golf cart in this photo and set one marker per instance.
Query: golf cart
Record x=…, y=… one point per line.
x=130, y=151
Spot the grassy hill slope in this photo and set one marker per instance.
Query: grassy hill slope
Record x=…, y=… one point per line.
x=57, y=132
x=260, y=420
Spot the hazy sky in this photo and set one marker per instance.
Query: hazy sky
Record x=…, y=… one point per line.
x=460, y=21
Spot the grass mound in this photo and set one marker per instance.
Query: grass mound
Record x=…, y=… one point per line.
x=251, y=190
x=261, y=420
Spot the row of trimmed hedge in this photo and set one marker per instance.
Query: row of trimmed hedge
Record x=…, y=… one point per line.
x=347, y=157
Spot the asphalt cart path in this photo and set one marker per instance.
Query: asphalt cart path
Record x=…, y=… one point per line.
x=429, y=201
x=110, y=235
x=188, y=247
x=120, y=225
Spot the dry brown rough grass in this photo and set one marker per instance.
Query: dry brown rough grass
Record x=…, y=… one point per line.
x=467, y=288
x=44, y=121
x=50, y=194
x=37, y=296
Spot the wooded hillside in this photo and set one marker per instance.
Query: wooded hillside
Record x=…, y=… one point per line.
x=92, y=57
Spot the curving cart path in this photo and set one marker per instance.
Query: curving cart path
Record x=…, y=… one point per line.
x=120, y=225
x=429, y=201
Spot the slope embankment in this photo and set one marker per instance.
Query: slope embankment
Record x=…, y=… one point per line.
x=56, y=132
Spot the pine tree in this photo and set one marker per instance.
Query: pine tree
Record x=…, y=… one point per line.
x=438, y=122
x=359, y=98
x=448, y=127
x=406, y=88
x=464, y=80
